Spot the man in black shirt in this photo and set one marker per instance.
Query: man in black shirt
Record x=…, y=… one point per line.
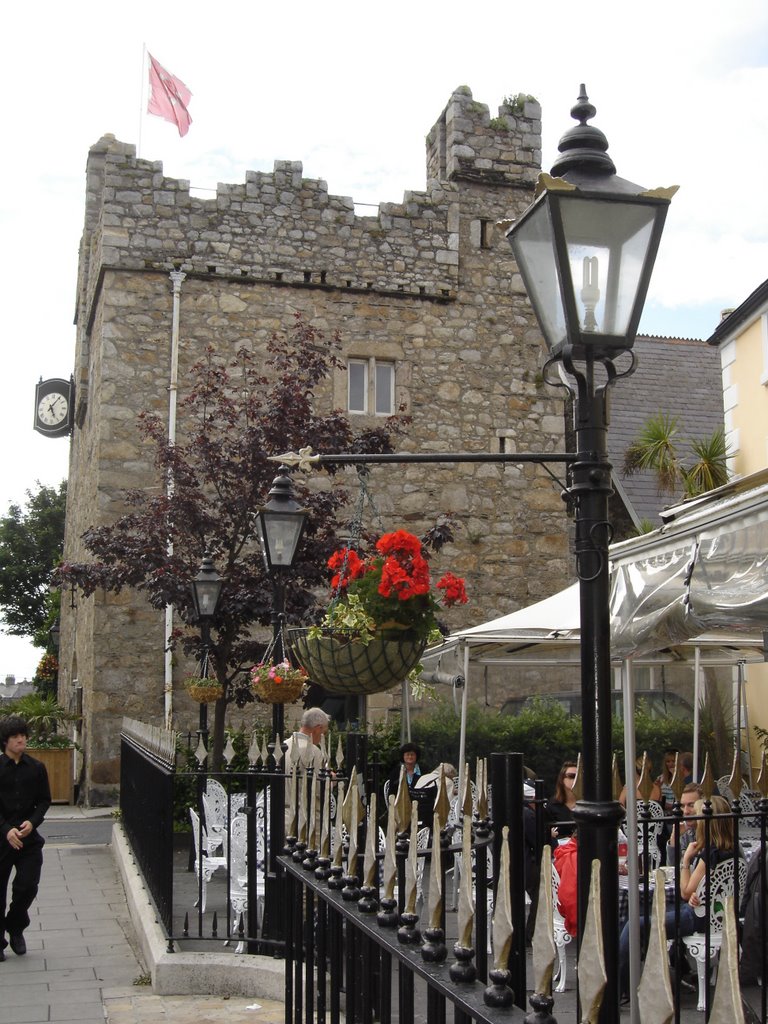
x=25, y=796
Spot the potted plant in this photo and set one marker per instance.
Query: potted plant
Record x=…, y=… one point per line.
x=277, y=683
x=204, y=691
x=382, y=614
x=43, y=715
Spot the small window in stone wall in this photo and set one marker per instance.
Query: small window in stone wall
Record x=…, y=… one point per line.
x=486, y=234
x=371, y=386
x=357, y=385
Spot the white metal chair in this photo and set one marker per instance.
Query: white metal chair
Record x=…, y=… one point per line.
x=238, y=871
x=560, y=934
x=217, y=807
x=654, y=828
x=720, y=886
x=205, y=864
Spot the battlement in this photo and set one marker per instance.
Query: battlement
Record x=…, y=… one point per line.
x=283, y=228
x=467, y=144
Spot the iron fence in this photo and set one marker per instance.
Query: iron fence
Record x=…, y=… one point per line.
x=360, y=956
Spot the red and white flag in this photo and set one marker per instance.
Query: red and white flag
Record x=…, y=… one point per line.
x=169, y=97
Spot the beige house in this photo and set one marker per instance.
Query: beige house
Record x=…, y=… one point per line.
x=742, y=341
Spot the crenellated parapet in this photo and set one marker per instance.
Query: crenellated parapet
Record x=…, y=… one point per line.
x=277, y=227
x=467, y=144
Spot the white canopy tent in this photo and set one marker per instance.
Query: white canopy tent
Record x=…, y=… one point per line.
x=695, y=590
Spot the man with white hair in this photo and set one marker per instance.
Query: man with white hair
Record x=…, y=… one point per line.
x=306, y=742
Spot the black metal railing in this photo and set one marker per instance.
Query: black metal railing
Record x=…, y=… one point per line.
x=341, y=958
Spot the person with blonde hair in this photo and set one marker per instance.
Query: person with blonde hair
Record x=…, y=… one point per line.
x=699, y=858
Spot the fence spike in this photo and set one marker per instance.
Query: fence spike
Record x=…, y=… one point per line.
x=253, y=750
x=727, y=1006
x=645, y=785
x=592, y=976
x=654, y=992
x=707, y=782
x=544, y=951
x=678, y=780
x=577, y=783
x=735, y=783
x=229, y=751
x=215, y=925
x=616, y=784
x=201, y=752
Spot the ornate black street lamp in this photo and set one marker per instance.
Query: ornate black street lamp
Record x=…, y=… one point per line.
x=206, y=591
x=585, y=249
x=280, y=526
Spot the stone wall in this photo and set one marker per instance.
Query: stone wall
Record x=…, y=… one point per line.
x=428, y=283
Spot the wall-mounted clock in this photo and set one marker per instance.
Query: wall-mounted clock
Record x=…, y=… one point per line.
x=54, y=407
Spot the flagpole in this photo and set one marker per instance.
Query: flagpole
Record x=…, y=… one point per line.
x=141, y=94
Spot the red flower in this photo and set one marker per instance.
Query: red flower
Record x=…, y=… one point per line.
x=399, y=543
x=350, y=564
x=455, y=592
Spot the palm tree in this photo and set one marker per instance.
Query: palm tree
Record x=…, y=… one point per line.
x=657, y=449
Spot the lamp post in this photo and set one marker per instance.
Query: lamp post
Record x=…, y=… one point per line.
x=585, y=249
x=206, y=591
x=280, y=526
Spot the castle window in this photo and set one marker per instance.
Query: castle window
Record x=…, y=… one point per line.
x=371, y=386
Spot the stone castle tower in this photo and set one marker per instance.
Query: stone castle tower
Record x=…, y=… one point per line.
x=426, y=292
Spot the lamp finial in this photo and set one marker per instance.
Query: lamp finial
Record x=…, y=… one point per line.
x=584, y=147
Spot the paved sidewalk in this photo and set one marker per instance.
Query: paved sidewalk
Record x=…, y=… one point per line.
x=83, y=962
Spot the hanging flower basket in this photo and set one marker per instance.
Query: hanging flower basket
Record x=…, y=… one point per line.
x=277, y=684
x=343, y=664
x=204, y=691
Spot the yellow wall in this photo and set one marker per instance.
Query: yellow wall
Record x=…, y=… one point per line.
x=750, y=414
x=745, y=371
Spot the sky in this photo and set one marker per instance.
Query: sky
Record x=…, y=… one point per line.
x=351, y=90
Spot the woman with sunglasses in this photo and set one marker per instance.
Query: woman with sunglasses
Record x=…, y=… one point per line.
x=560, y=808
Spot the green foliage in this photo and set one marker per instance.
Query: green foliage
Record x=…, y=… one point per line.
x=710, y=470
x=656, y=449
x=43, y=715
x=543, y=732
x=646, y=526
x=762, y=737
x=517, y=102
x=31, y=543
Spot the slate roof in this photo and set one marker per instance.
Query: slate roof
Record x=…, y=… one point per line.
x=12, y=691
x=678, y=376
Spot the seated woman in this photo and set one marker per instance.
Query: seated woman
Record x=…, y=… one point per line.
x=697, y=860
x=409, y=757
x=560, y=808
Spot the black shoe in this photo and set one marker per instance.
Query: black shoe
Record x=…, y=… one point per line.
x=18, y=945
x=2, y=955
x=624, y=999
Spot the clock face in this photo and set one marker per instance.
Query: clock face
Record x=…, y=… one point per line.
x=52, y=410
